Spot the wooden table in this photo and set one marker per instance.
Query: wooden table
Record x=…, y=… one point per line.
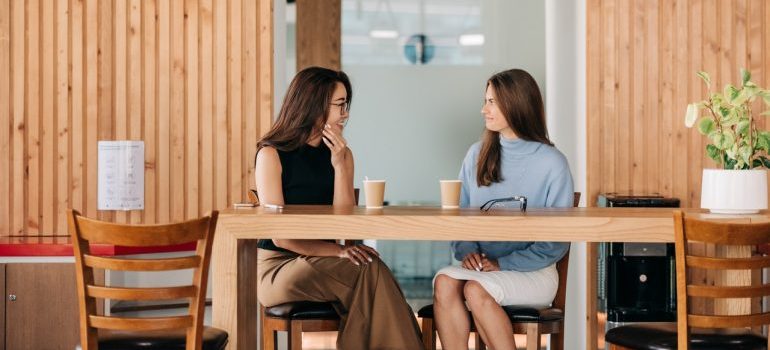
x=234, y=280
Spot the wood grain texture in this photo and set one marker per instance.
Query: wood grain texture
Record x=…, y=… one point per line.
x=642, y=56
x=31, y=320
x=400, y=223
x=6, y=124
x=319, y=34
x=191, y=78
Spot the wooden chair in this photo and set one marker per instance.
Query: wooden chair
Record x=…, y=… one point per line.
x=711, y=334
x=297, y=317
x=126, y=333
x=525, y=320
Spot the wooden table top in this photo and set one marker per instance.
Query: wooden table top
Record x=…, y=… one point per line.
x=434, y=223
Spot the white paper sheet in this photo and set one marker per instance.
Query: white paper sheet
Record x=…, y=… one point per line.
x=121, y=175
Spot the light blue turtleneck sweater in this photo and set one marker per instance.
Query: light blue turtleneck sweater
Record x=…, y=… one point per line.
x=532, y=169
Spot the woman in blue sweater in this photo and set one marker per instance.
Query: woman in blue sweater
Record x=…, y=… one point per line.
x=514, y=158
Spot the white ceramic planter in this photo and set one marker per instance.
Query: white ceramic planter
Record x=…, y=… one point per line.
x=734, y=191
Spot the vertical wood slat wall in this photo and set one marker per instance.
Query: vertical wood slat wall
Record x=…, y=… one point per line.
x=191, y=78
x=642, y=56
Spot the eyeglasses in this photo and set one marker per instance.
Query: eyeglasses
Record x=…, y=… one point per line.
x=490, y=203
x=343, y=106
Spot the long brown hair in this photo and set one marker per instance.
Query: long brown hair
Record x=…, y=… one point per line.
x=305, y=107
x=518, y=97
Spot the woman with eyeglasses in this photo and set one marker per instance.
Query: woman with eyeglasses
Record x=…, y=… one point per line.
x=304, y=159
x=514, y=159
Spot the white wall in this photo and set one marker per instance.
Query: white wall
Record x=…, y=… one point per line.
x=412, y=125
x=566, y=110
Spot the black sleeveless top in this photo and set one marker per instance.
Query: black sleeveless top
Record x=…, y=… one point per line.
x=307, y=177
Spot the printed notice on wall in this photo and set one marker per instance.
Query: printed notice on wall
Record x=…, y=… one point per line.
x=121, y=175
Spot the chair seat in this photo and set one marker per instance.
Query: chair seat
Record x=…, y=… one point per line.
x=645, y=337
x=303, y=310
x=213, y=339
x=516, y=314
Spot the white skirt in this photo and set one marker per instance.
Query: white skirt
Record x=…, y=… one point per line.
x=533, y=289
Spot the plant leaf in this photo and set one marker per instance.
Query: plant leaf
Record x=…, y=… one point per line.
x=727, y=141
x=765, y=161
x=750, y=91
x=706, y=125
x=691, y=115
x=706, y=79
x=732, y=118
x=745, y=75
x=745, y=152
x=713, y=153
x=724, y=111
x=763, y=141
x=731, y=93
x=730, y=164
x=742, y=127
x=743, y=95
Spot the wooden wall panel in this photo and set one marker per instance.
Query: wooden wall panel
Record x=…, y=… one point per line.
x=191, y=78
x=6, y=124
x=319, y=34
x=642, y=56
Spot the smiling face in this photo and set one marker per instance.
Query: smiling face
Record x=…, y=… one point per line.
x=338, y=110
x=494, y=120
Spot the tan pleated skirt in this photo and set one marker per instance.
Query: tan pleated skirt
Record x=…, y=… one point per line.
x=372, y=308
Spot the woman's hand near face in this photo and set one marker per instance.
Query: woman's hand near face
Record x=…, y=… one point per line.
x=332, y=137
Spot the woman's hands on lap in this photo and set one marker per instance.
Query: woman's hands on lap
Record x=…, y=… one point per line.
x=488, y=265
x=359, y=254
x=472, y=261
x=480, y=262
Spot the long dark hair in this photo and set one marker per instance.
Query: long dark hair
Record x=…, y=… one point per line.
x=305, y=108
x=518, y=97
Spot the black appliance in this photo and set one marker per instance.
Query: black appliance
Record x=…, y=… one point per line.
x=637, y=281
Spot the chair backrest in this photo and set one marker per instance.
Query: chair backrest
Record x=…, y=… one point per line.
x=718, y=233
x=85, y=231
x=562, y=266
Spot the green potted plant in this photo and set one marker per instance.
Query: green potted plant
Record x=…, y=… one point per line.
x=737, y=145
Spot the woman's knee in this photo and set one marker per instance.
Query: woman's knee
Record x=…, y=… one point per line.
x=446, y=288
x=476, y=295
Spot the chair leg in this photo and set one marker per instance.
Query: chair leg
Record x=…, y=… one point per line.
x=428, y=334
x=479, y=342
x=295, y=335
x=617, y=347
x=557, y=341
x=533, y=336
x=268, y=339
